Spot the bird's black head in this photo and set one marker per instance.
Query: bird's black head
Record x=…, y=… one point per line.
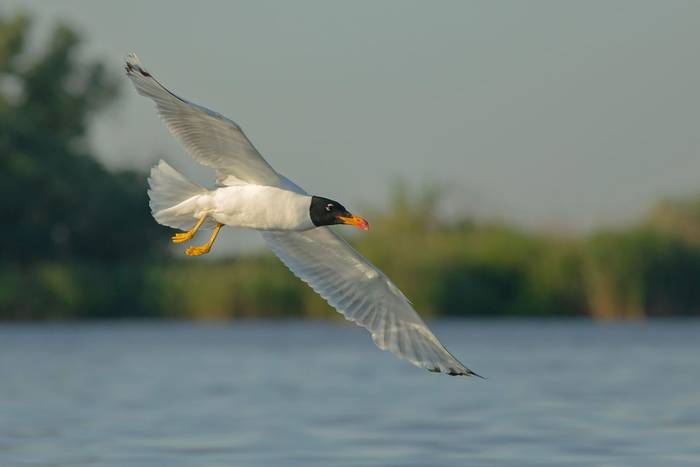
x=324, y=211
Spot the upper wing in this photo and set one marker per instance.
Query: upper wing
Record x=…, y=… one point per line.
x=363, y=294
x=212, y=139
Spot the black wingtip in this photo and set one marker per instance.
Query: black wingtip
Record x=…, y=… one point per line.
x=134, y=65
x=455, y=372
x=468, y=372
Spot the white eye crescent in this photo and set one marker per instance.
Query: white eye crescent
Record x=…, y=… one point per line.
x=329, y=206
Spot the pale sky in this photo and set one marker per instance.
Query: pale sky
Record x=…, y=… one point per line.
x=557, y=113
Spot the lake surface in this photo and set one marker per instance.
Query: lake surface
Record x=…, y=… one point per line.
x=563, y=393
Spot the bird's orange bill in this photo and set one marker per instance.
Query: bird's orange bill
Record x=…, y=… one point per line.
x=358, y=222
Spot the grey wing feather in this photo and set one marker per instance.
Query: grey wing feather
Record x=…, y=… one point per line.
x=212, y=139
x=363, y=294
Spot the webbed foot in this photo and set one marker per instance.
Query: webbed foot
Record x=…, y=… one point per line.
x=198, y=250
x=182, y=237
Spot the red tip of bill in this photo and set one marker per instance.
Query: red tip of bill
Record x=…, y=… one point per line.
x=358, y=222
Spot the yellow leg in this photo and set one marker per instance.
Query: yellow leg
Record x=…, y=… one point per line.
x=189, y=235
x=204, y=249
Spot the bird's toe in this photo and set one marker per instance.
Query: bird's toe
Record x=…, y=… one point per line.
x=181, y=237
x=196, y=250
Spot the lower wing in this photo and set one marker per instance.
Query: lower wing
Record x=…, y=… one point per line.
x=363, y=294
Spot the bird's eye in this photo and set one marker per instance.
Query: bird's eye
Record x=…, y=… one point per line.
x=329, y=206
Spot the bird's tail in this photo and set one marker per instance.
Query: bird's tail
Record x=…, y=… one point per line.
x=173, y=198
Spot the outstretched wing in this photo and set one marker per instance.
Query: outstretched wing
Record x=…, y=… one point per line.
x=212, y=139
x=363, y=294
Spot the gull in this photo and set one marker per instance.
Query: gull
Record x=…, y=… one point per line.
x=251, y=194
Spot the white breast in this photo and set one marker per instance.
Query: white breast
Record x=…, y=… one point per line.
x=258, y=207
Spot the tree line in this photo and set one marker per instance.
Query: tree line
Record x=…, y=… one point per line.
x=79, y=243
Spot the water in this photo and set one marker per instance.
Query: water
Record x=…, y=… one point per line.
x=309, y=394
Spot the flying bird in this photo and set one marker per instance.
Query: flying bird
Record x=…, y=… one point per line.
x=251, y=194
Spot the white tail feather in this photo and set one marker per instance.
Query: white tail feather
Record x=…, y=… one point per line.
x=173, y=198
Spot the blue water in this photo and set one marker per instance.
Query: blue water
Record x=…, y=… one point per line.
x=307, y=394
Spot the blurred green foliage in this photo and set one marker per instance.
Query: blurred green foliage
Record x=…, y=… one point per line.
x=78, y=241
x=56, y=199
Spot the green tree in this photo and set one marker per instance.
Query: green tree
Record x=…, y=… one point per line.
x=56, y=200
x=678, y=218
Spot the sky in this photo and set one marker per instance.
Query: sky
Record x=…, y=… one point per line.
x=545, y=113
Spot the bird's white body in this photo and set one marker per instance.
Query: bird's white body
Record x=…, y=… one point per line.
x=251, y=206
